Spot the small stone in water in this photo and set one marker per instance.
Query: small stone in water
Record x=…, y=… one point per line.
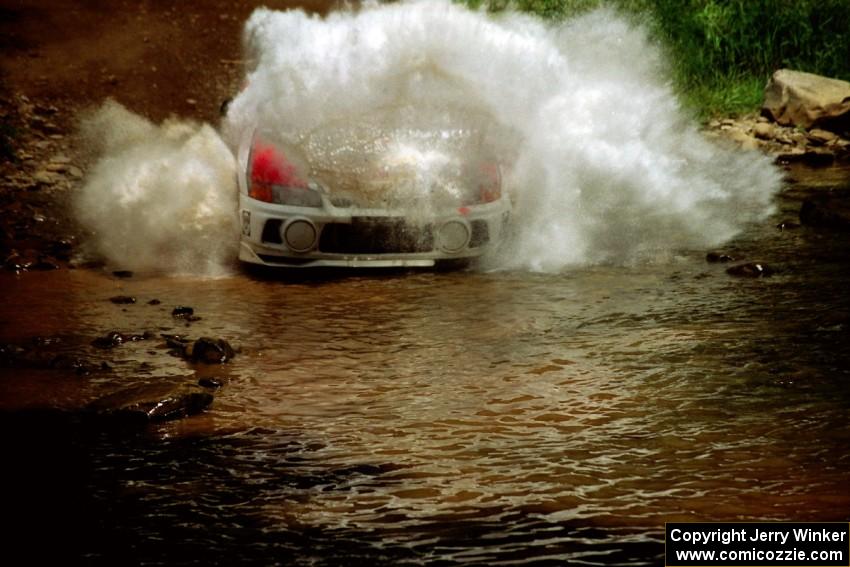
x=182, y=311
x=715, y=257
x=750, y=270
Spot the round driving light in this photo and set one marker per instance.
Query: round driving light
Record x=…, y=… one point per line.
x=300, y=235
x=454, y=236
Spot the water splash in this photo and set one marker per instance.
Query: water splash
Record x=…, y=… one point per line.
x=604, y=164
x=601, y=163
x=161, y=198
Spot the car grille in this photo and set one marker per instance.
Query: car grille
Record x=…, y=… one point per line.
x=271, y=231
x=366, y=235
x=480, y=234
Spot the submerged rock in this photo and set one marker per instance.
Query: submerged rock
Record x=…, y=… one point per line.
x=153, y=402
x=210, y=351
x=114, y=338
x=826, y=212
x=44, y=264
x=109, y=340
x=211, y=383
x=182, y=311
x=718, y=257
x=750, y=270
x=122, y=299
x=205, y=349
x=44, y=356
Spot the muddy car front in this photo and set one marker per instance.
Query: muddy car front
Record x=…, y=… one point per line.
x=369, y=197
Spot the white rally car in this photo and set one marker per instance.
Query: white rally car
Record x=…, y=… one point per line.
x=397, y=188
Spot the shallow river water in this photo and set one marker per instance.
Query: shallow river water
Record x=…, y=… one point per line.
x=490, y=418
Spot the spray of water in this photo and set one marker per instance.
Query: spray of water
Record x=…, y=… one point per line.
x=601, y=163
x=161, y=198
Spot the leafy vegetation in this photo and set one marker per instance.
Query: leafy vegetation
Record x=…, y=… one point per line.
x=723, y=51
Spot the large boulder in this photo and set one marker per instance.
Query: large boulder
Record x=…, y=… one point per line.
x=794, y=98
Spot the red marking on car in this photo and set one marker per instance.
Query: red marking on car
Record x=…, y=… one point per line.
x=463, y=210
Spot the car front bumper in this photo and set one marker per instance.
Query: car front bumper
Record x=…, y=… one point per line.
x=304, y=237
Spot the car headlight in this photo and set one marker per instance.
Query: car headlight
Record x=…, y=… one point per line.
x=278, y=177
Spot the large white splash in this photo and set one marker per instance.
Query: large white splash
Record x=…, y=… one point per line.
x=601, y=163
x=161, y=198
x=605, y=165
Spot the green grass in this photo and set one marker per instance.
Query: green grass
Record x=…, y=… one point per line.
x=722, y=52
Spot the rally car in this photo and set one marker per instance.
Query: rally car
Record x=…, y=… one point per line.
x=399, y=188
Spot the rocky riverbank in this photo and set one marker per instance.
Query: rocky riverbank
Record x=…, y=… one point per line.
x=804, y=117
x=816, y=147
x=37, y=177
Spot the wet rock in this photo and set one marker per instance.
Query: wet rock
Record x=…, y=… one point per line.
x=61, y=249
x=20, y=261
x=182, y=311
x=45, y=341
x=122, y=299
x=73, y=363
x=791, y=155
x=75, y=172
x=818, y=158
x=826, y=212
x=205, y=349
x=176, y=342
x=718, y=257
x=212, y=383
x=114, y=338
x=122, y=274
x=10, y=354
x=787, y=225
x=109, y=340
x=750, y=270
x=44, y=264
x=210, y=351
x=153, y=403
x=42, y=355
x=807, y=100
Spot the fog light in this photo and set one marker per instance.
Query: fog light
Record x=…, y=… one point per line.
x=300, y=235
x=454, y=236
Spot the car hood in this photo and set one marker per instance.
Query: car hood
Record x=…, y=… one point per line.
x=398, y=158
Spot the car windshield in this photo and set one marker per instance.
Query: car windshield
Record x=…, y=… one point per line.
x=405, y=158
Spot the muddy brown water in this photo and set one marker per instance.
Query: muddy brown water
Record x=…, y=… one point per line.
x=442, y=418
